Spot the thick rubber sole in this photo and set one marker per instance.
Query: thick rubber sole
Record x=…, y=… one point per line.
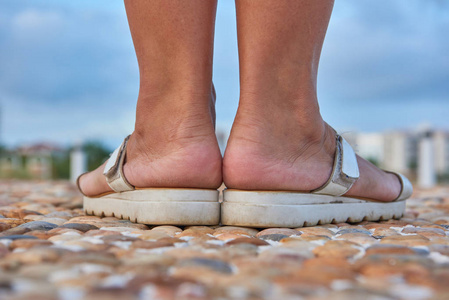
x=291, y=209
x=158, y=206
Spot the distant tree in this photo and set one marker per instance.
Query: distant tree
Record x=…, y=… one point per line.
x=61, y=165
x=96, y=153
x=373, y=160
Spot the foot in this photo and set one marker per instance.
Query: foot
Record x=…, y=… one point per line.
x=286, y=154
x=174, y=151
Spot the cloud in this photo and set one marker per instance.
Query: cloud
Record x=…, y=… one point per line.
x=387, y=51
x=68, y=69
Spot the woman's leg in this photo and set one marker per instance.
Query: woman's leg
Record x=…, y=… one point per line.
x=173, y=144
x=279, y=140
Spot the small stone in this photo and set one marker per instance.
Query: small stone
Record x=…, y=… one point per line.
x=383, y=232
x=154, y=235
x=40, y=234
x=315, y=238
x=4, y=226
x=167, y=229
x=36, y=255
x=356, y=237
x=17, y=237
x=253, y=241
x=86, y=219
x=57, y=221
x=228, y=236
x=406, y=240
x=279, y=255
x=93, y=257
x=30, y=218
x=427, y=232
x=212, y=264
x=337, y=249
x=273, y=237
x=83, y=227
x=442, y=249
x=354, y=230
x=100, y=233
x=150, y=245
x=11, y=222
x=233, y=230
x=28, y=243
x=38, y=225
x=284, y=231
x=62, y=230
x=297, y=242
x=389, y=249
x=308, y=231
x=59, y=214
x=196, y=231
x=64, y=237
x=378, y=225
x=119, y=238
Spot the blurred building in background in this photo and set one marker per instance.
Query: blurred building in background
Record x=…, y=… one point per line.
x=399, y=150
x=33, y=161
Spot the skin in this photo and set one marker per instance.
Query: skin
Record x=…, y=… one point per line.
x=278, y=141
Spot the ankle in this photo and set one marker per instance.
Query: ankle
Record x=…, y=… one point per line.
x=169, y=117
x=281, y=122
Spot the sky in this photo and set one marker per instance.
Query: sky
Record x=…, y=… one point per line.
x=68, y=71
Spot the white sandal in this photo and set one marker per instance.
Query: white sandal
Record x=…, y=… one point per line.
x=321, y=206
x=174, y=206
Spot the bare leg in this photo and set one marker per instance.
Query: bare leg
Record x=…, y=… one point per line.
x=173, y=144
x=279, y=140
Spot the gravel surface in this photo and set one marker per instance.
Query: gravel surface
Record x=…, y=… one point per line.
x=49, y=249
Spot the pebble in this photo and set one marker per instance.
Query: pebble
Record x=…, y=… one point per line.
x=354, y=230
x=273, y=237
x=80, y=226
x=232, y=230
x=244, y=240
x=153, y=235
x=29, y=243
x=337, y=249
x=406, y=240
x=17, y=237
x=283, y=231
x=315, y=231
x=389, y=249
x=196, y=231
x=150, y=245
x=169, y=230
x=426, y=232
x=380, y=233
x=213, y=264
x=38, y=225
x=358, y=238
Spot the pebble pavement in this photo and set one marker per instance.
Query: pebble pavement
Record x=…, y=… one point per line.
x=49, y=249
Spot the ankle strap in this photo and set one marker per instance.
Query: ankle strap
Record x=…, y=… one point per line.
x=345, y=171
x=113, y=171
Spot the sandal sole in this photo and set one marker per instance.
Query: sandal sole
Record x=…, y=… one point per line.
x=291, y=209
x=158, y=206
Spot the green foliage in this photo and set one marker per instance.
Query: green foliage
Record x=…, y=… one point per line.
x=413, y=165
x=444, y=178
x=61, y=165
x=373, y=160
x=96, y=153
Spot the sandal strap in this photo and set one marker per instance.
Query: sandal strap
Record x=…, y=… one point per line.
x=113, y=171
x=345, y=171
x=406, y=187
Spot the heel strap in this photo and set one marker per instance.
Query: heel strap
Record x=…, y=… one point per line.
x=345, y=171
x=113, y=171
